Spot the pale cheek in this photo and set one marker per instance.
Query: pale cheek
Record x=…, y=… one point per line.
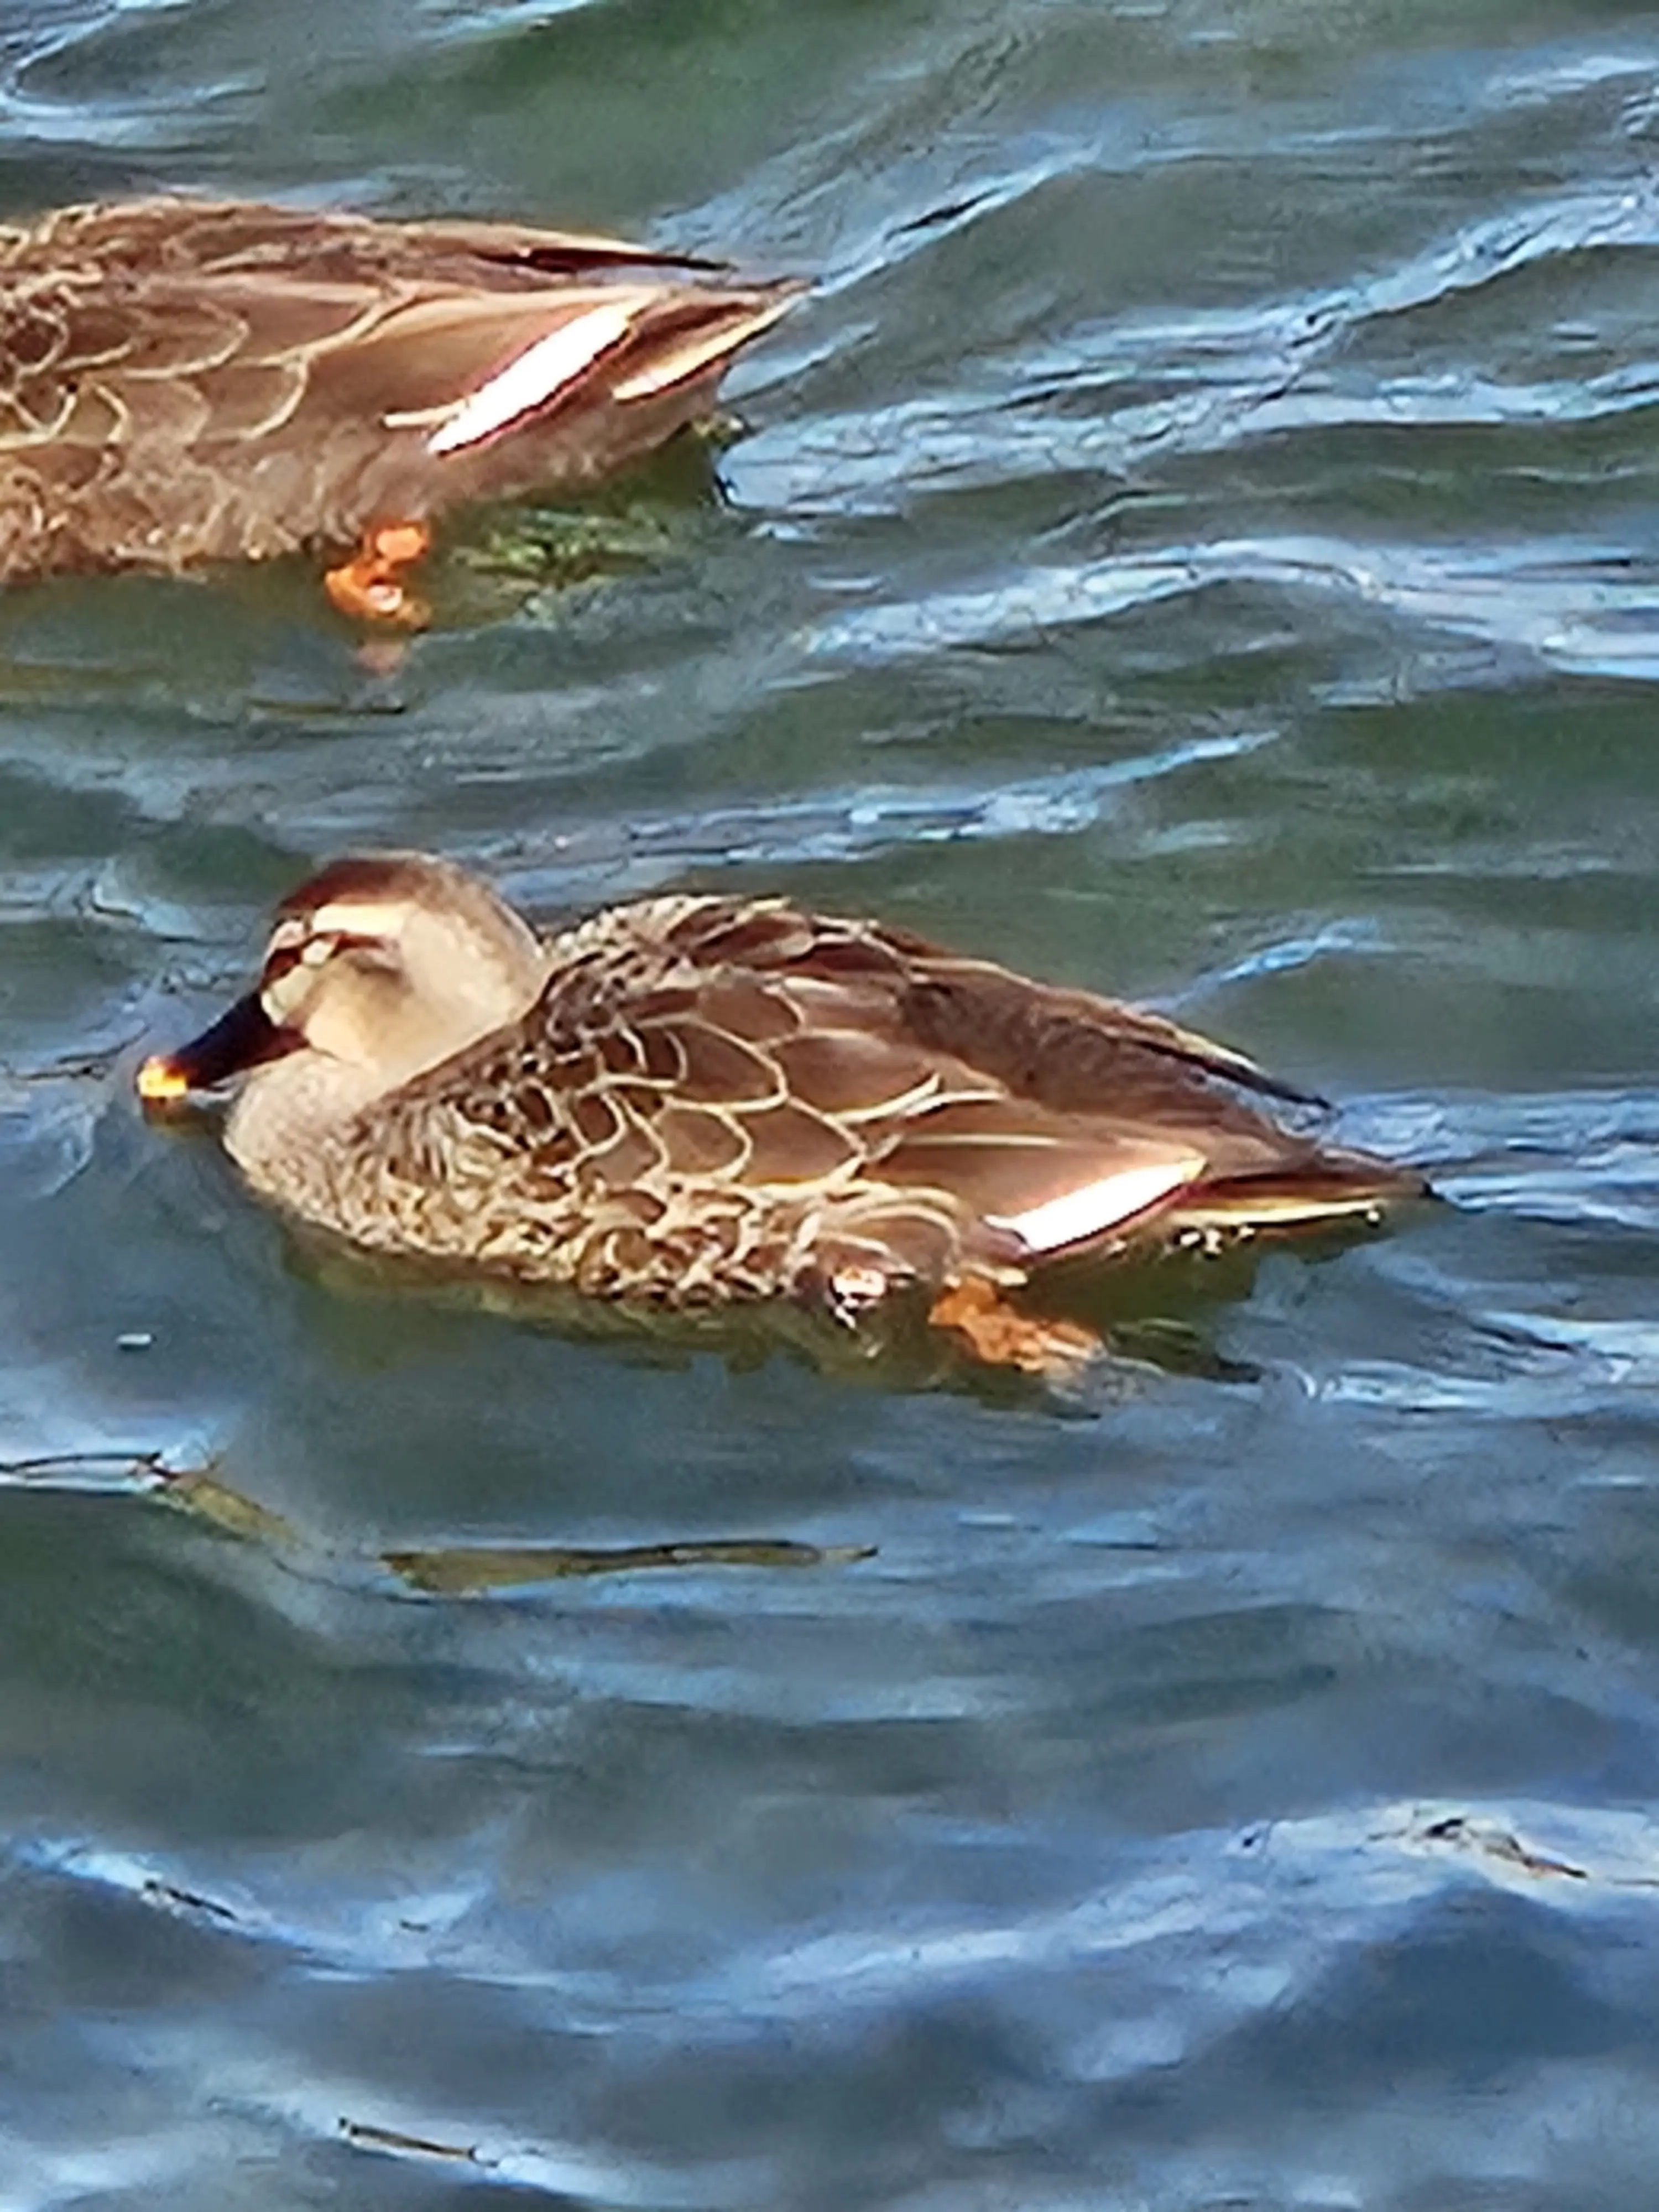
x=360, y=1021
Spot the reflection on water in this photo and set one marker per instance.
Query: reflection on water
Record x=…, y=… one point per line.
x=1198, y=540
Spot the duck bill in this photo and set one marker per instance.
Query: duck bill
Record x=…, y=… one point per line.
x=242, y=1037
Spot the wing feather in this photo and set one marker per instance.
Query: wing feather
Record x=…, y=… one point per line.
x=938, y=1115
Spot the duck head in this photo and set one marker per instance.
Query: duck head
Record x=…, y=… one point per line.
x=381, y=966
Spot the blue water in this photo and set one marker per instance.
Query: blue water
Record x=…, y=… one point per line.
x=1200, y=539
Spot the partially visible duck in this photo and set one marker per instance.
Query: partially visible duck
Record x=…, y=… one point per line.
x=694, y=1100
x=189, y=381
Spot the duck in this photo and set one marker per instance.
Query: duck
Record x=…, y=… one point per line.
x=700, y=1101
x=705, y=1100
x=185, y=381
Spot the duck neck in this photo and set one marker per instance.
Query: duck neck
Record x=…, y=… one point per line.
x=290, y=1117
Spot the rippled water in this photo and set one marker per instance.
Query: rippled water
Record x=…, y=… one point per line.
x=1202, y=540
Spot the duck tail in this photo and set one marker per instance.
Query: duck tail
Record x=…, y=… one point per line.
x=692, y=332
x=1327, y=1192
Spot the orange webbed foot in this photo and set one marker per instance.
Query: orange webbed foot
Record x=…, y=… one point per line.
x=370, y=587
x=997, y=1333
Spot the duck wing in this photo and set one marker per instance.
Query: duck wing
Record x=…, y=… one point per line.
x=933, y=1115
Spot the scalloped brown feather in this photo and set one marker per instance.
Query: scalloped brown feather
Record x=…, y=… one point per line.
x=187, y=380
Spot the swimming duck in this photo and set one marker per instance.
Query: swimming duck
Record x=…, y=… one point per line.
x=189, y=381
x=697, y=1100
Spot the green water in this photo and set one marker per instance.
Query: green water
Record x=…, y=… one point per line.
x=1200, y=539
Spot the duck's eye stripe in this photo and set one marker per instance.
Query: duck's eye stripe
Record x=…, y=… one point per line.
x=313, y=951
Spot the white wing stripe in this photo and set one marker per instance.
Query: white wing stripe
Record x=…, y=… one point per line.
x=1079, y=1215
x=532, y=379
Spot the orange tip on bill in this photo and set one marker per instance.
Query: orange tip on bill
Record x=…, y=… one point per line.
x=160, y=1078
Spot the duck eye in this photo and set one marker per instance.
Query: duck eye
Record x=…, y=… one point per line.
x=316, y=949
x=373, y=954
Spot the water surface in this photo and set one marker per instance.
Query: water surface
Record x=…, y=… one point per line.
x=1200, y=540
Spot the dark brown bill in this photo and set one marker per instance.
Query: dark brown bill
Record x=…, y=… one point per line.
x=241, y=1038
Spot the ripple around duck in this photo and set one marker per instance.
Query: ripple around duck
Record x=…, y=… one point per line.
x=1576, y=608
x=1225, y=377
